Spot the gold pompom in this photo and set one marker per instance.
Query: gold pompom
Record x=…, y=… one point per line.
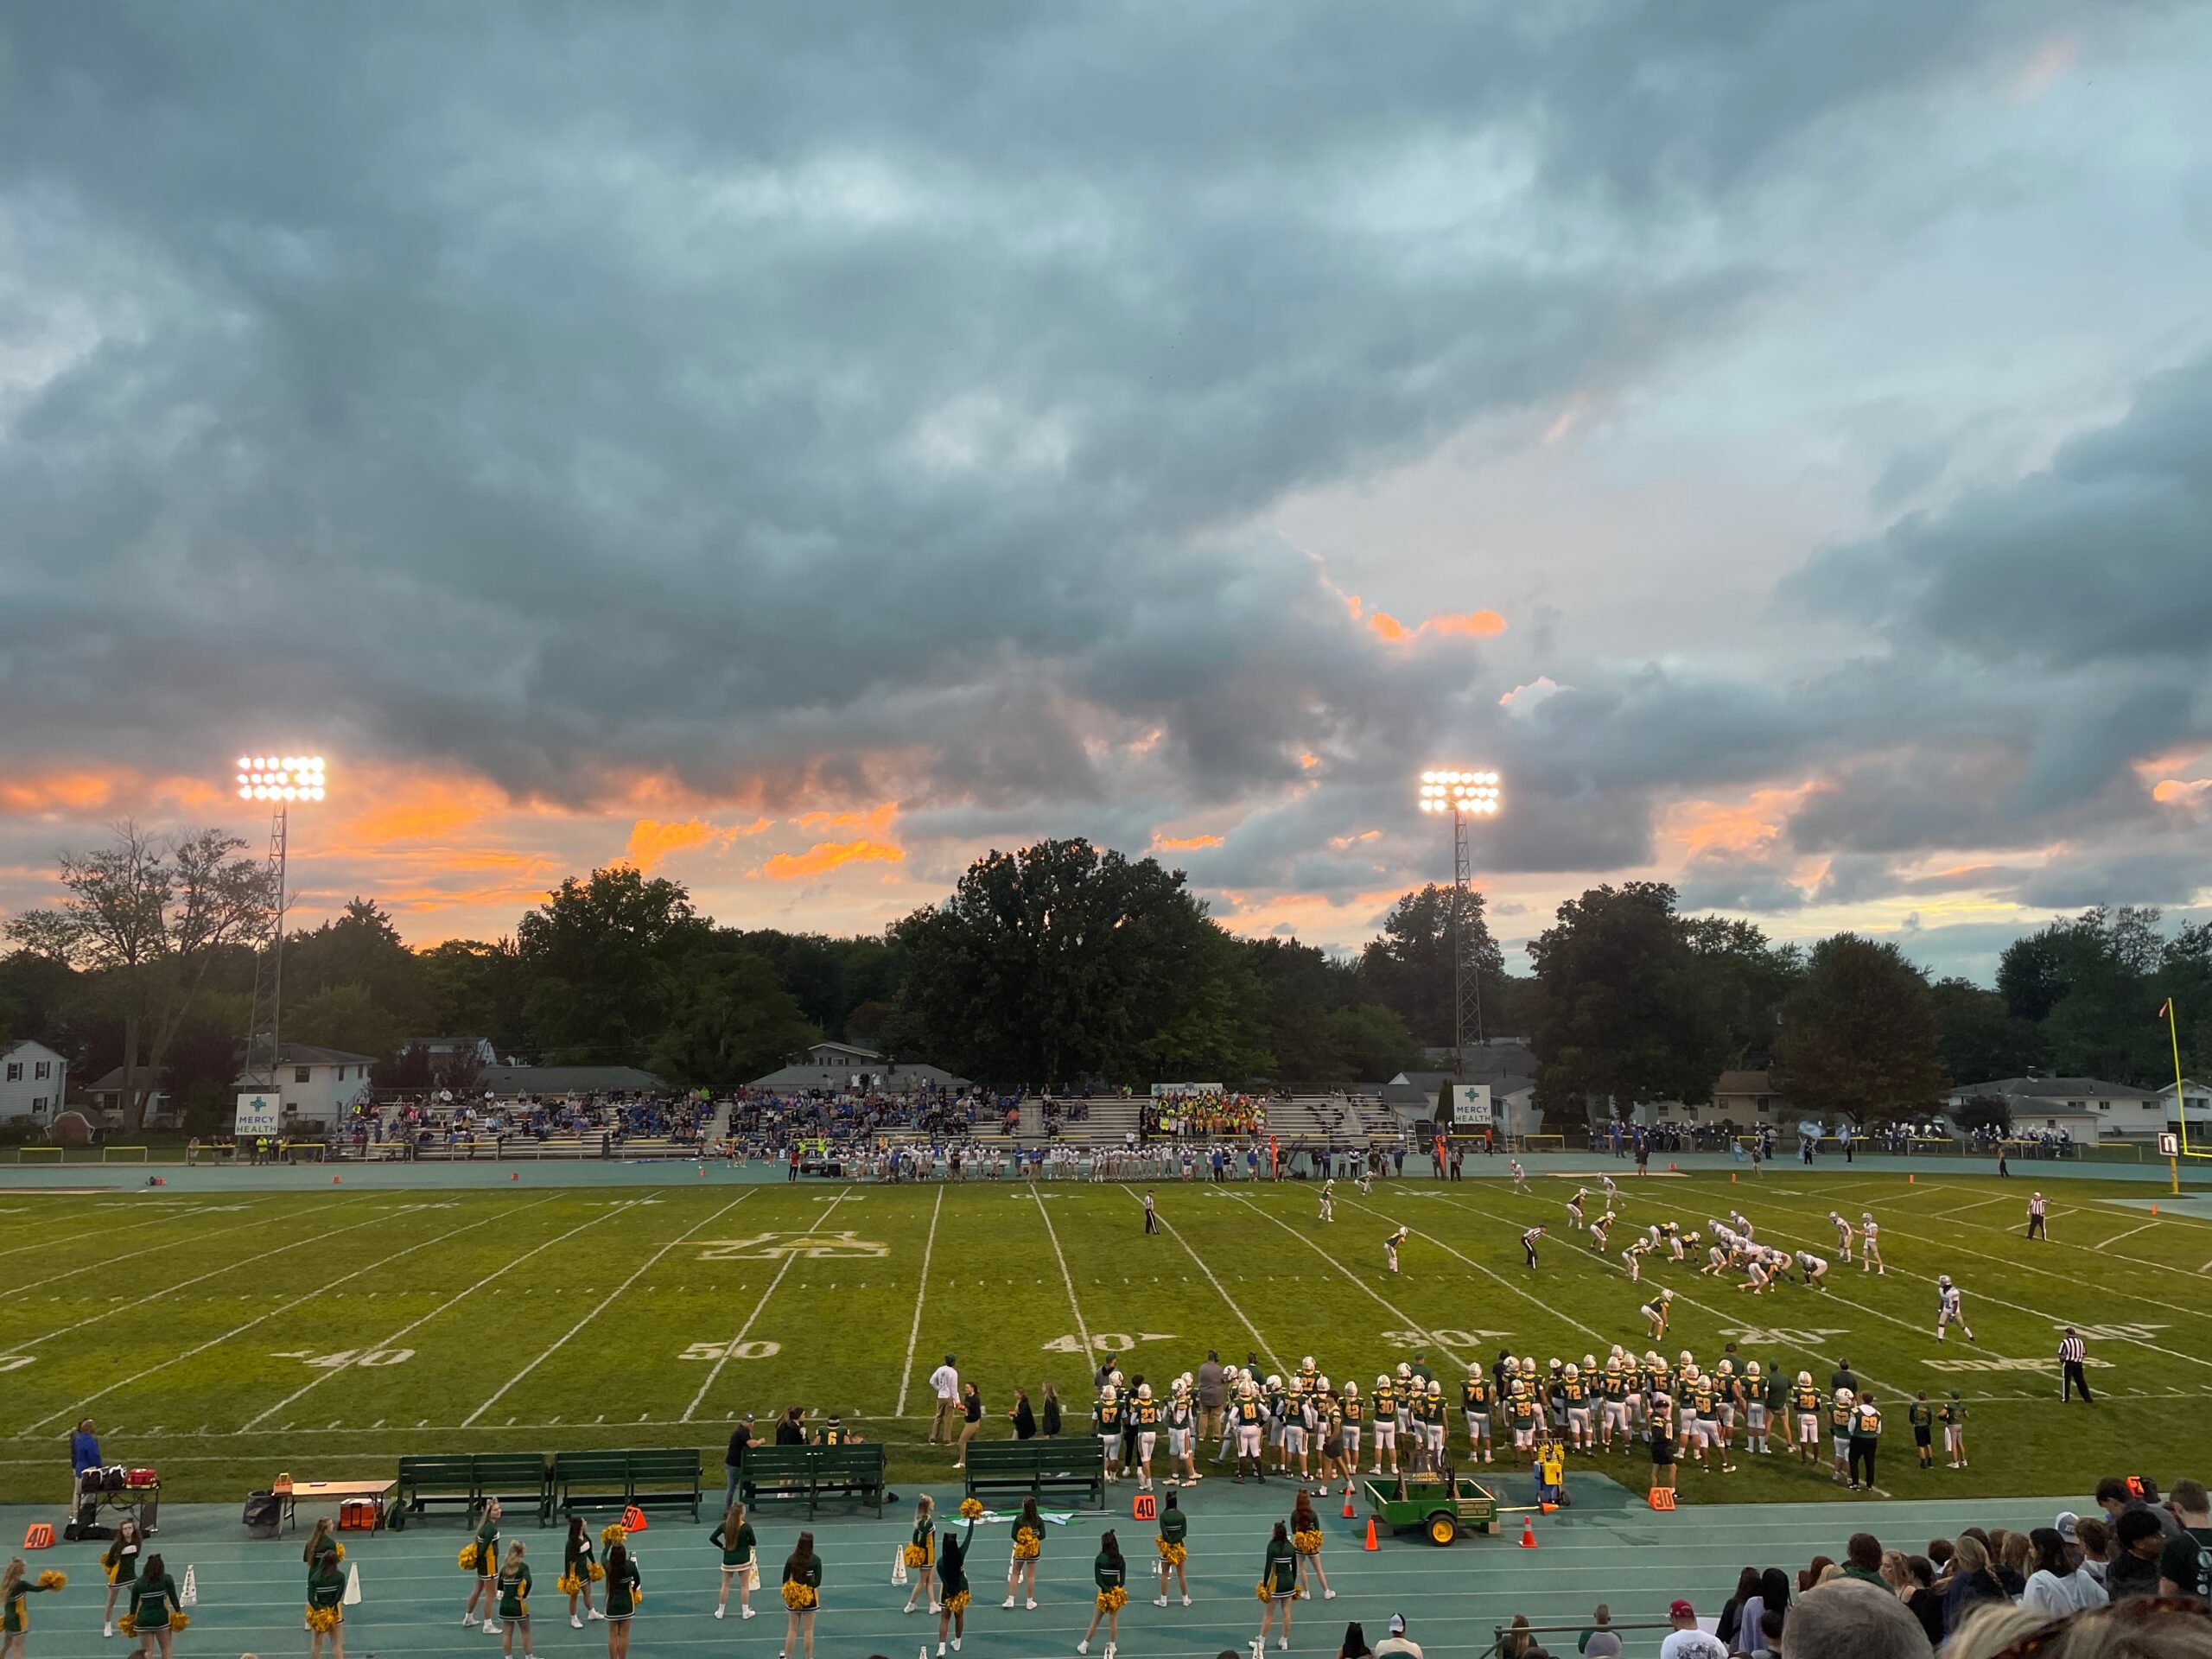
x=568, y=1583
x=597, y=1572
x=1112, y=1601
x=467, y=1557
x=971, y=1509
x=128, y=1625
x=799, y=1598
x=52, y=1580
x=612, y=1534
x=179, y=1621
x=322, y=1620
x=1173, y=1555
x=957, y=1604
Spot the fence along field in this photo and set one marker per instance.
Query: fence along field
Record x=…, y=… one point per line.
x=324, y=1333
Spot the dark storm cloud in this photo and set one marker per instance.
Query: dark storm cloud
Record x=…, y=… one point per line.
x=1724, y=882
x=807, y=400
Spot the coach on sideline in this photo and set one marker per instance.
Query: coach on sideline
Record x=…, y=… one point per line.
x=2073, y=1356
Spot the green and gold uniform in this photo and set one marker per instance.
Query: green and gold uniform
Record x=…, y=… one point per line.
x=575, y=1559
x=1355, y=1410
x=1951, y=1413
x=737, y=1547
x=152, y=1602
x=622, y=1588
x=1386, y=1400
x=1249, y=1412
x=120, y=1561
x=1107, y=1418
x=13, y=1621
x=487, y=1549
x=1147, y=1416
x=1921, y=1415
x=327, y=1582
x=1807, y=1399
x=1280, y=1574
x=514, y=1591
x=1174, y=1527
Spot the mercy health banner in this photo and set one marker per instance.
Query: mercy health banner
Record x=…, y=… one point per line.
x=260, y=1112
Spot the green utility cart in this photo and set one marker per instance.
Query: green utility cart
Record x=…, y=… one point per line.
x=1440, y=1511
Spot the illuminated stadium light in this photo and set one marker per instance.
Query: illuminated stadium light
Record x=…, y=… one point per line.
x=1466, y=791
x=282, y=778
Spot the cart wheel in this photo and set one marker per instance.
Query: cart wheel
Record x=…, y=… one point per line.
x=1443, y=1527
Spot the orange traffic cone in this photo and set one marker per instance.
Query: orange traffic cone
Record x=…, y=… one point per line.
x=1371, y=1544
x=334, y=1181
x=1348, y=1503
x=1528, y=1532
x=1731, y=1178
x=1912, y=1180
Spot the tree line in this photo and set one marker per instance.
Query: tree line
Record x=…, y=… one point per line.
x=1060, y=964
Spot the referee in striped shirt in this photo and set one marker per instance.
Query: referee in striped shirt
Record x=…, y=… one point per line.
x=2072, y=1352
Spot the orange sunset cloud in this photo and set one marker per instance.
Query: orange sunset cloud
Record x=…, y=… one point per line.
x=826, y=855
x=651, y=840
x=1186, y=843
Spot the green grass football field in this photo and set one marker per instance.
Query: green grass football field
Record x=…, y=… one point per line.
x=224, y=1337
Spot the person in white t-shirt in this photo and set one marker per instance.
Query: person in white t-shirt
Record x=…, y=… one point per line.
x=1687, y=1641
x=944, y=1383
x=1398, y=1645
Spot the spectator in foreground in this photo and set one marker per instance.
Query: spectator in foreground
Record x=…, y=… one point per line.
x=1921, y=1598
x=1600, y=1641
x=1397, y=1644
x=1972, y=1582
x=2137, y=1539
x=2056, y=1587
x=2099, y=1633
x=1850, y=1618
x=1862, y=1558
x=1687, y=1641
x=1354, y=1646
x=2184, y=1565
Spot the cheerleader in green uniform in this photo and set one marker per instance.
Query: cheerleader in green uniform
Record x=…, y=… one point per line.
x=578, y=1570
x=120, y=1561
x=624, y=1590
x=801, y=1595
x=1173, y=1544
x=1111, y=1574
x=735, y=1538
x=485, y=1560
x=921, y=1555
x=326, y=1592
x=1028, y=1545
x=514, y=1602
x=1278, y=1588
x=155, y=1615
x=952, y=1588
x=14, y=1585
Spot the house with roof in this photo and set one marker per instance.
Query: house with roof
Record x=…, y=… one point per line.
x=2088, y=1109
x=846, y=1068
x=34, y=1080
x=319, y=1087
x=106, y=1092
x=2197, y=1100
x=1748, y=1100
x=1413, y=1097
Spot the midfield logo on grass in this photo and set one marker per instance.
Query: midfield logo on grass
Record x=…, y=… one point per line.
x=344, y=1356
x=1445, y=1338
x=1107, y=1341
x=768, y=1247
x=1779, y=1336
x=2115, y=1332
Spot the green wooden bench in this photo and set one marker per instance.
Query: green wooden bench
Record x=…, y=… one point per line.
x=1038, y=1467
x=465, y=1479
x=791, y=1474
x=648, y=1477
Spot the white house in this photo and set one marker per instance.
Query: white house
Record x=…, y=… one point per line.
x=318, y=1085
x=32, y=1081
x=2088, y=1109
x=2197, y=1101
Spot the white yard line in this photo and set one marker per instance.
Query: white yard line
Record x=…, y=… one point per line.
x=2116, y=1237
x=109, y=1262
x=212, y=1272
x=96, y=1232
x=1066, y=1278
x=914, y=1333
x=475, y=1284
x=1538, y=1302
x=1976, y=1205
x=1242, y=1318
x=746, y=1330
x=381, y=1263
x=1404, y=1319
x=560, y=1341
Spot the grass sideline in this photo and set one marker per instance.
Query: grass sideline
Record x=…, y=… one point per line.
x=225, y=1337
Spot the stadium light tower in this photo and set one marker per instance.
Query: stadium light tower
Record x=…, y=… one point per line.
x=280, y=780
x=1465, y=795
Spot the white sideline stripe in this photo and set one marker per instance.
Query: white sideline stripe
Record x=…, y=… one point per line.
x=1398, y=1313
x=914, y=1335
x=500, y=1393
x=475, y=1284
x=77, y=1411
x=1242, y=1318
x=212, y=1272
x=746, y=1330
x=109, y=1262
x=1977, y=1205
x=1066, y=1278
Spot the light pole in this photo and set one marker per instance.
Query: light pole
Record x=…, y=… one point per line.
x=280, y=780
x=1464, y=795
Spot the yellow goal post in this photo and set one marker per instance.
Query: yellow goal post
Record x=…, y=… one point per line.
x=1543, y=1143
x=24, y=1155
x=123, y=1154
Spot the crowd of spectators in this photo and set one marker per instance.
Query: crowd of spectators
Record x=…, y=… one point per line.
x=461, y=1129
x=1201, y=1117
x=2133, y=1580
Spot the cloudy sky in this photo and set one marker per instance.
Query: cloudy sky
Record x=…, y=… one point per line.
x=795, y=448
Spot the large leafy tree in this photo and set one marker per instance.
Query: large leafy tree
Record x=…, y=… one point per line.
x=361, y=948
x=1859, y=1036
x=150, y=916
x=600, y=957
x=1743, y=980
x=731, y=1021
x=1409, y=966
x=1620, y=1013
x=1978, y=1039
x=344, y=1017
x=1053, y=964
x=2093, y=985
